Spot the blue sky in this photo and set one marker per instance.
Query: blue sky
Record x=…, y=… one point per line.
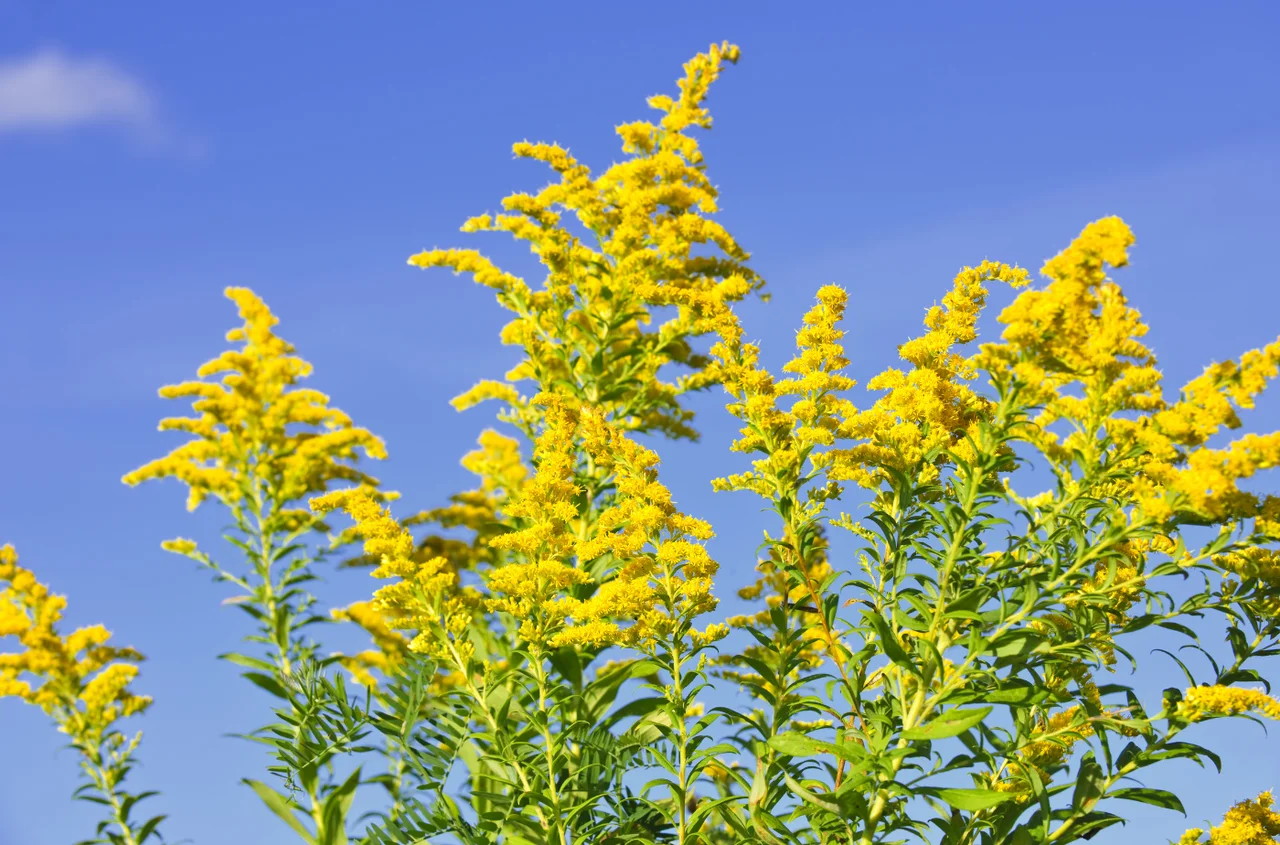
x=152, y=153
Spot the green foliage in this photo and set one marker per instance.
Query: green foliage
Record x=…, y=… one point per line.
x=939, y=669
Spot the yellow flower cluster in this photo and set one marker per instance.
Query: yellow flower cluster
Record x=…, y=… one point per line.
x=424, y=599
x=1208, y=702
x=1250, y=822
x=391, y=645
x=929, y=407
x=547, y=509
x=1075, y=349
x=1259, y=564
x=82, y=681
x=1060, y=732
x=1206, y=483
x=792, y=440
x=655, y=574
x=1122, y=587
x=502, y=473
x=787, y=436
x=255, y=433
x=1063, y=730
x=1081, y=319
x=664, y=574
x=1210, y=400
x=1078, y=331
x=1254, y=562
x=547, y=503
x=652, y=244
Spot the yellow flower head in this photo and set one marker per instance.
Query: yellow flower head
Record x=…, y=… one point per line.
x=546, y=504
x=78, y=679
x=652, y=243
x=1074, y=349
x=930, y=406
x=530, y=585
x=1179, y=471
x=502, y=473
x=255, y=432
x=1250, y=822
x=1255, y=562
x=1208, y=702
x=425, y=596
x=787, y=436
x=391, y=649
x=661, y=575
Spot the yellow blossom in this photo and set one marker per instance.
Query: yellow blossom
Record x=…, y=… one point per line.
x=1250, y=822
x=179, y=545
x=424, y=597
x=651, y=244
x=78, y=679
x=929, y=407
x=255, y=432
x=501, y=472
x=788, y=436
x=1207, y=702
x=1049, y=747
x=660, y=574
x=486, y=390
x=1075, y=349
x=392, y=646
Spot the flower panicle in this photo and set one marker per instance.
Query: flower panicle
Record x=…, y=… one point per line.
x=930, y=407
x=80, y=680
x=651, y=244
x=1207, y=702
x=255, y=428
x=426, y=590
x=1249, y=822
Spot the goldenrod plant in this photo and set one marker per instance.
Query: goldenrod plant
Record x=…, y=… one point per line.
x=83, y=684
x=940, y=642
x=976, y=619
x=972, y=616
x=259, y=444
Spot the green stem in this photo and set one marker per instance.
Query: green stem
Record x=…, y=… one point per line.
x=677, y=688
x=549, y=745
x=491, y=720
x=102, y=779
x=280, y=635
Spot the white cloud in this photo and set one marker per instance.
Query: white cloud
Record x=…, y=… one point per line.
x=48, y=90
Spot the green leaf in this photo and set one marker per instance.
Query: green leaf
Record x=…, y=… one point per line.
x=246, y=660
x=892, y=648
x=950, y=723
x=1174, y=750
x=1090, y=823
x=1015, y=696
x=149, y=827
x=1017, y=643
x=1155, y=797
x=971, y=799
x=797, y=745
x=282, y=807
x=1127, y=755
x=1089, y=784
x=268, y=683
x=336, y=805
x=822, y=802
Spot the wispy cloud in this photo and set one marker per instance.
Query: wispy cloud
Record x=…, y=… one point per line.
x=49, y=90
